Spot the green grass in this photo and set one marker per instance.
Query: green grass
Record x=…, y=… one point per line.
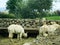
x=53, y=18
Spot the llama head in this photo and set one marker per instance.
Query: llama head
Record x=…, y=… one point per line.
x=25, y=34
x=53, y=22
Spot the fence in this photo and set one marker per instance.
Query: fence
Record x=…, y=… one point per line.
x=28, y=24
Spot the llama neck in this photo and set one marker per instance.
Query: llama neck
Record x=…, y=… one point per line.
x=44, y=23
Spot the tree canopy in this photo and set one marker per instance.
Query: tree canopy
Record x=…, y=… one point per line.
x=29, y=8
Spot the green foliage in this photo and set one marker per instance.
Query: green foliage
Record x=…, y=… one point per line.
x=29, y=8
x=40, y=4
x=11, y=6
x=52, y=14
x=57, y=12
x=3, y=15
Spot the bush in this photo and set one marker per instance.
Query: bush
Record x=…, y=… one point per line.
x=3, y=15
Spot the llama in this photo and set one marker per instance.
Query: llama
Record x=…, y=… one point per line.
x=18, y=29
x=43, y=29
x=46, y=30
x=52, y=28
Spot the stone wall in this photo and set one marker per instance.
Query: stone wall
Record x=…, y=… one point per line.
x=31, y=24
x=28, y=24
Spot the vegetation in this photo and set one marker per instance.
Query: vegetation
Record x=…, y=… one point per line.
x=4, y=15
x=29, y=8
x=53, y=18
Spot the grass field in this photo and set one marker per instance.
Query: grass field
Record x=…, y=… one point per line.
x=53, y=18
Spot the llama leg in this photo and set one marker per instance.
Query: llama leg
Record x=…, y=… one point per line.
x=10, y=36
x=20, y=36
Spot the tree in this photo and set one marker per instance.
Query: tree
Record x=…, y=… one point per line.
x=11, y=6
x=58, y=12
x=29, y=8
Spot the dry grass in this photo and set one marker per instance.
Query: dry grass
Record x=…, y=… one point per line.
x=6, y=41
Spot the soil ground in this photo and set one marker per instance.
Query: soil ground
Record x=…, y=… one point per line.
x=50, y=40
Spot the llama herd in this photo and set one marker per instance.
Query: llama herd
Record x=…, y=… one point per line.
x=44, y=30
